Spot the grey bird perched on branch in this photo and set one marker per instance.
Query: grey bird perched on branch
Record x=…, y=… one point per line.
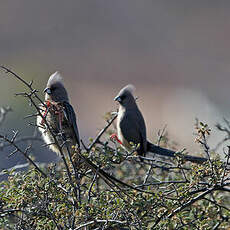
x=131, y=128
x=59, y=115
x=130, y=122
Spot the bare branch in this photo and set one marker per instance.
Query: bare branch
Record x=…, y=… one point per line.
x=24, y=154
x=95, y=141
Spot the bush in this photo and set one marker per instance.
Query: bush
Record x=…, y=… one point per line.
x=109, y=188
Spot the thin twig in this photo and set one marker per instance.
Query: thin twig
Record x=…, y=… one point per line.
x=23, y=153
x=95, y=141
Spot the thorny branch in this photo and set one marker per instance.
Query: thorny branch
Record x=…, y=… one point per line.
x=24, y=153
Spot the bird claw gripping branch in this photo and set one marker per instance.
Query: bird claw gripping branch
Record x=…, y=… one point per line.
x=48, y=104
x=115, y=138
x=57, y=109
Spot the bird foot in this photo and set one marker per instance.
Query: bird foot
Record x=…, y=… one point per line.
x=115, y=138
x=45, y=113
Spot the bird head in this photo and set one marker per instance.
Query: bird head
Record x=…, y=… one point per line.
x=125, y=96
x=55, y=89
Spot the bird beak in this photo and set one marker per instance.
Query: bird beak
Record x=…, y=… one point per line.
x=117, y=99
x=47, y=90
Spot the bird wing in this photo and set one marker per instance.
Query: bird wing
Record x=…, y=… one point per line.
x=71, y=117
x=133, y=128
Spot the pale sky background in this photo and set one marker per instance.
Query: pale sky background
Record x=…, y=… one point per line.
x=176, y=53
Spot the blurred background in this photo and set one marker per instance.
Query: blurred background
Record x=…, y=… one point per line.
x=176, y=53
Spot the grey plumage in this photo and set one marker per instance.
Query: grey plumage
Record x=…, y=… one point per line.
x=59, y=115
x=130, y=122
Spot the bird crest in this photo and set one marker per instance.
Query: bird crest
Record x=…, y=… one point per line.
x=127, y=89
x=55, y=78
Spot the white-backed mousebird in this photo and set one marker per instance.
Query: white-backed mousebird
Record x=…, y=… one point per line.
x=130, y=122
x=59, y=115
x=131, y=128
